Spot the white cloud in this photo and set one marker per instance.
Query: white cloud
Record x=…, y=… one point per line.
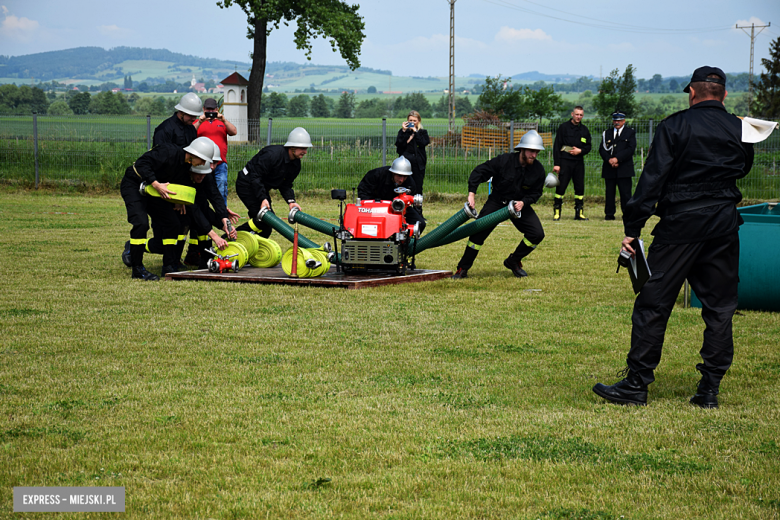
x=113, y=31
x=15, y=28
x=509, y=35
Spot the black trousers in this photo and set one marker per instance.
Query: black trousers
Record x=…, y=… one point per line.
x=413, y=216
x=164, y=220
x=623, y=185
x=253, y=205
x=528, y=224
x=418, y=175
x=571, y=171
x=712, y=268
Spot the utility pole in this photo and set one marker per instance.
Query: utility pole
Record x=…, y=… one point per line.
x=753, y=35
x=452, y=64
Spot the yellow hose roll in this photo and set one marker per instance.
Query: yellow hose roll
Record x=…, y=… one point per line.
x=184, y=194
x=247, y=239
x=269, y=253
x=303, y=255
x=233, y=248
x=322, y=256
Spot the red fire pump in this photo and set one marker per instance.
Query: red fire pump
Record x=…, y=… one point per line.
x=375, y=235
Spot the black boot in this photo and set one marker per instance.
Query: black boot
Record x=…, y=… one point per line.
x=516, y=266
x=707, y=390
x=557, y=204
x=140, y=273
x=126, y=257
x=460, y=273
x=172, y=269
x=579, y=213
x=630, y=390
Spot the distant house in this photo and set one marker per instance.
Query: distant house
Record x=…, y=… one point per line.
x=200, y=88
x=219, y=89
x=115, y=90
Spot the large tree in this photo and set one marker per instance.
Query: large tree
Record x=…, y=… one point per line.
x=616, y=92
x=499, y=97
x=542, y=102
x=768, y=86
x=331, y=19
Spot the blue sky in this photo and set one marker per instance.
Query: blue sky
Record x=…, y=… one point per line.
x=411, y=37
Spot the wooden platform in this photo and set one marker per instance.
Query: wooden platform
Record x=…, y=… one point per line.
x=275, y=275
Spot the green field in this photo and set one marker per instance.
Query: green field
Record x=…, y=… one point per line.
x=438, y=400
x=94, y=151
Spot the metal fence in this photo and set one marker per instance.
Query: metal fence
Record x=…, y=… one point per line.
x=96, y=150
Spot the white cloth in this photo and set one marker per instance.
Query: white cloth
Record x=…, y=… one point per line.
x=756, y=130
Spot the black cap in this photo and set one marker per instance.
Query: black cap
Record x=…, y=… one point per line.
x=210, y=103
x=701, y=74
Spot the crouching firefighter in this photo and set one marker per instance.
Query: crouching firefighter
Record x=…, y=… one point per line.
x=516, y=176
x=274, y=167
x=157, y=168
x=381, y=183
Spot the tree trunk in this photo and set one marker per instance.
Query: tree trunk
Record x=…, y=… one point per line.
x=256, y=77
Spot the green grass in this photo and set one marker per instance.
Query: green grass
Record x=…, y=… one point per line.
x=447, y=399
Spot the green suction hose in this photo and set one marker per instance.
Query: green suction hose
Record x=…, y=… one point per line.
x=314, y=223
x=446, y=228
x=478, y=225
x=283, y=228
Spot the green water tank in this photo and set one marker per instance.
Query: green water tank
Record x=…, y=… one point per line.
x=759, y=258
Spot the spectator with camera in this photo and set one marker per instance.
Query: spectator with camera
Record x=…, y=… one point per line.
x=410, y=143
x=212, y=124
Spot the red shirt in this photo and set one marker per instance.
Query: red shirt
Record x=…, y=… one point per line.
x=215, y=130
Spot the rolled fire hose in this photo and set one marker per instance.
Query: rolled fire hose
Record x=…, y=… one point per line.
x=268, y=254
x=266, y=215
x=247, y=239
x=311, y=262
x=235, y=248
x=446, y=228
x=478, y=225
x=314, y=223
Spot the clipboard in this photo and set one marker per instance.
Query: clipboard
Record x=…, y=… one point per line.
x=639, y=272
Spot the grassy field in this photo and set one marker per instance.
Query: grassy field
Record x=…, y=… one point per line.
x=448, y=399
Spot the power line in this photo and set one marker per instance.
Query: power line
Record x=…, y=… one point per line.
x=602, y=24
x=753, y=35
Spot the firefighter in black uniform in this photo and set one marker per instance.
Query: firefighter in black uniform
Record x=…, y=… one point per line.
x=273, y=167
x=157, y=168
x=572, y=144
x=380, y=184
x=690, y=181
x=516, y=176
x=178, y=128
x=617, y=150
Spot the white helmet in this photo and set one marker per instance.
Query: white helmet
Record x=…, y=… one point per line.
x=299, y=138
x=203, y=169
x=531, y=140
x=217, y=157
x=401, y=166
x=190, y=104
x=551, y=181
x=202, y=147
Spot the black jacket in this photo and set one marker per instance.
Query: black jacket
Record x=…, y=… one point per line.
x=173, y=131
x=270, y=169
x=696, y=155
x=378, y=184
x=165, y=163
x=622, y=148
x=511, y=181
x=569, y=134
x=415, y=149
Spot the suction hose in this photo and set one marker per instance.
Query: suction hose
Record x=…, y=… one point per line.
x=314, y=223
x=478, y=225
x=446, y=228
x=267, y=216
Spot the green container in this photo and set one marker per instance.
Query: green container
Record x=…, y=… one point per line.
x=759, y=258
